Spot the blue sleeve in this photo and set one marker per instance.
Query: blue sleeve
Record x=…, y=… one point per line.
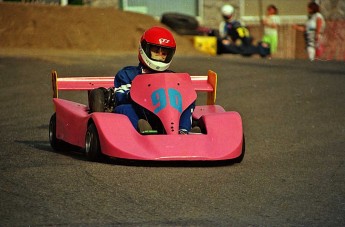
x=123, y=83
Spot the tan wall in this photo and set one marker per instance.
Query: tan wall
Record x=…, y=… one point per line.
x=292, y=45
x=289, y=44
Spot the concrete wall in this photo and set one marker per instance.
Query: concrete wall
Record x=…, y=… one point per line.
x=333, y=9
x=103, y=3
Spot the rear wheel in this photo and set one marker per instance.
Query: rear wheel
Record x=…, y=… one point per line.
x=55, y=143
x=96, y=100
x=92, y=144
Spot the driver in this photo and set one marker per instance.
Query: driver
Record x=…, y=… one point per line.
x=156, y=49
x=159, y=53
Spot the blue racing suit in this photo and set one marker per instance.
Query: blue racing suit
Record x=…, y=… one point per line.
x=124, y=104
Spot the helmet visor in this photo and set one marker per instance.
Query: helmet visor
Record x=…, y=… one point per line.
x=158, y=53
x=227, y=17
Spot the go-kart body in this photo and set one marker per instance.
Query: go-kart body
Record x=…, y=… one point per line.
x=165, y=94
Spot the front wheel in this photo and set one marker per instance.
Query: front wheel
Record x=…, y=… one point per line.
x=92, y=144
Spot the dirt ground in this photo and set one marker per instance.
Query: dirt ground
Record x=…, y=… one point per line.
x=51, y=28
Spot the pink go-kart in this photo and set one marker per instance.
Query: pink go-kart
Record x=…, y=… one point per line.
x=102, y=133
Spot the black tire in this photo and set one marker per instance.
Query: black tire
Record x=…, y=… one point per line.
x=55, y=143
x=180, y=22
x=96, y=100
x=239, y=159
x=92, y=144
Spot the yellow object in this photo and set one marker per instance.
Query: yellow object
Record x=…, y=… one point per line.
x=206, y=44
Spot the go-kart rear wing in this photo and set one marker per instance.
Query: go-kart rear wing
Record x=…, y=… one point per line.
x=201, y=83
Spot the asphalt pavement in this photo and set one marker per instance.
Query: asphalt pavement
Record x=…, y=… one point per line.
x=292, y=175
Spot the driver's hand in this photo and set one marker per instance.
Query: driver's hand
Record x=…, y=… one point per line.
x=226, y=42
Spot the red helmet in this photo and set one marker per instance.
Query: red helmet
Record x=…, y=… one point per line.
x=157, y=48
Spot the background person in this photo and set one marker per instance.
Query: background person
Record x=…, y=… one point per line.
x=271, y=23
x=313, y=30
x=233, y=37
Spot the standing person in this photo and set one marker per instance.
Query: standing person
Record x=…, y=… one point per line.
x=313, y=30
x=271, y=22
x=156, y=49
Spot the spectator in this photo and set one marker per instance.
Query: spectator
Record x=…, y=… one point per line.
x=271, y=22
x=313, y=30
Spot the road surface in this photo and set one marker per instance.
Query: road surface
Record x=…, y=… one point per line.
x=292, y=175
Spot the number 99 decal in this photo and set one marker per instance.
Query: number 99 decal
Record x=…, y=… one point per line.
x=160, y=98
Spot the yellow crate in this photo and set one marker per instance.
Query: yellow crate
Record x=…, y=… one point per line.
x=206, y=44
